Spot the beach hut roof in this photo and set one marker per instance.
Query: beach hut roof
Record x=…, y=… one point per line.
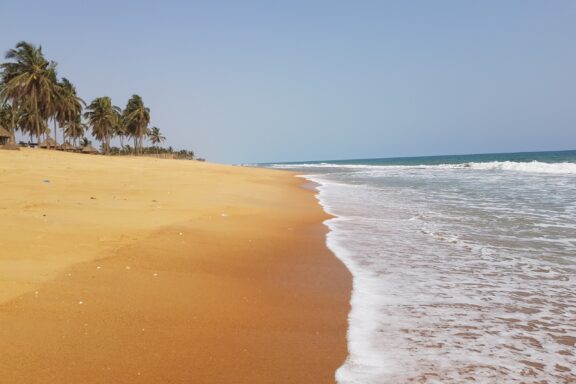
x=66, y=145
x=4, y=133
x=48, y=142
x=10, y=146
x=89, y=149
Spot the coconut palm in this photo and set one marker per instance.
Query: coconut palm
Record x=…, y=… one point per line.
x=30, y=123
x=137, y=117
x=29, y=83
x=155, y=136
x=120, y=130
x=68, y=108
x=8, y=118
x=75, y=130
x=103, y=117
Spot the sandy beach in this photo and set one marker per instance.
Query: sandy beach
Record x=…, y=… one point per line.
x=139, y=270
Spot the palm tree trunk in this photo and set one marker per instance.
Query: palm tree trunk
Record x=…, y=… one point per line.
x=35, y=102
x=13, y=129
x=55, y=133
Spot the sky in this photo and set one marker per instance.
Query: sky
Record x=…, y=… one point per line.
x=294, y=80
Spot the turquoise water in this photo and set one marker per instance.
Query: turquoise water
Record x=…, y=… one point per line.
x=464, y=266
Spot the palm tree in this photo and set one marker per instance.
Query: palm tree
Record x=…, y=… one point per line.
x=29, y=83
x=137, y=118
x=120, y=130
x=30, y=123
x=8, y=119
x=103, y=117
x=68, y=108
x=155, y=136
x=75, y=130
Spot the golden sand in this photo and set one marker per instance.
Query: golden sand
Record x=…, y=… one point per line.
x=139, y=270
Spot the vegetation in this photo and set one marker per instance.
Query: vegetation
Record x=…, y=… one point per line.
x=32, y=95
x=75, y=130
x=68, y=108
x=155, y=151
x=136, y=119
x=103, y=117
x=8, y=118
x=29, y=83
x=155, y=136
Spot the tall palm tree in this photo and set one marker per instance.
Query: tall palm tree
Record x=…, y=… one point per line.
x=68, y=107
x=102, y=116
x=29, y=83
x=137, y=118
x=51, y=107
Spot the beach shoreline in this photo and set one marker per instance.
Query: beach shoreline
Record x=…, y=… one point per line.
x=124, y=269
x=462, y=272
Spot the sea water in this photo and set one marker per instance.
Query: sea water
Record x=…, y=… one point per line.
x=464, y=267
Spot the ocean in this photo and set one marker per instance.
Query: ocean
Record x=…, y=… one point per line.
x=464, y=267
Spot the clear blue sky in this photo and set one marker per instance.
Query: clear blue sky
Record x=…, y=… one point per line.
x=258, y=81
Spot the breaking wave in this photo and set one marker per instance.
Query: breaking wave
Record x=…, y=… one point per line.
x=533, y=166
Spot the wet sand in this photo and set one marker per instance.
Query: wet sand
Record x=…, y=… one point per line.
x=125, y=270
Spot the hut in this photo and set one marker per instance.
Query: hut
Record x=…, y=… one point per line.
x=6, y=140
x=4, y=136
x=89, y=149
x=48, y=143
x=66, y=146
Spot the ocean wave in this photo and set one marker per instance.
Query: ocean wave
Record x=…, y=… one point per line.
x=533, y=166
x=436, y=295
x=317, y=165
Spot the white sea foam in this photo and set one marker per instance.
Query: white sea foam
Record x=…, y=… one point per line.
x=462, y=277
x=364, y=362
x=533, y=166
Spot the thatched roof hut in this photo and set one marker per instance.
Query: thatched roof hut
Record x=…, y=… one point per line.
x=89, y=149
x=4, y=136
x=48, y=143
x=67, y=147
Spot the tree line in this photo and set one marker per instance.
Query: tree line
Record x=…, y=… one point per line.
x=32, y=96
